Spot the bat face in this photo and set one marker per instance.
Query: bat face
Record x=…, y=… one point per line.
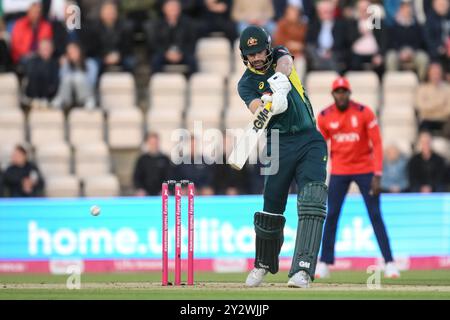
x=249, y=140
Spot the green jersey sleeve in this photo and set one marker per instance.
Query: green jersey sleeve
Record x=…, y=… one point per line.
x=246, y=92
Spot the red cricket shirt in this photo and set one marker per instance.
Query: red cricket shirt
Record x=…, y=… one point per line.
x=355, y=139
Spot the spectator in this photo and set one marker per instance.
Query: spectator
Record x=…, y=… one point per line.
x=200, y=173
x=405, y=43
x=110, y=40
x=227, y=180
x=22, y=178
x=15, y=9
x=173, y=39
x=5, y=61
x=426, y=168
x=217, y=16
x=28, y=32
x=433, y=101
x=257, y=12
x=326, y=48
x=42, y=76
x=78, y=78
x=367, y=44
x=291, y=31
x=64, y=33
x=152, y=168
x=437, y=33
x=395, y=173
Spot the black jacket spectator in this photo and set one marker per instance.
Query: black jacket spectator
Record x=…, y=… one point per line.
x=42, y=73
x=426, y=169
x=172, y=39
x=150, y=172
x=62, y=37
x=427, y=172
x=110, y=40
x=22, y=178
x=217, y=18
x=437, y=33
x=399, y=36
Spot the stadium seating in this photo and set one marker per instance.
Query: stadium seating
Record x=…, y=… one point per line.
x=214, y=55
x=62, y=186
x=101, y=186
x=54, y=159
x=125, y=128
x=92, y=160
x=46, y=126
x=206, y=100
x=85, y=126
x=9, y=91
x=12, y=126
x=117, y=90
x=318, y=87
x=365, y=88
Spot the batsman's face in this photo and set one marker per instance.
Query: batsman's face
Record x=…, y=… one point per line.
x=258, y=60
x=341, y=98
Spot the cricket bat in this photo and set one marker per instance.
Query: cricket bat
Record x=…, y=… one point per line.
x=249, y=140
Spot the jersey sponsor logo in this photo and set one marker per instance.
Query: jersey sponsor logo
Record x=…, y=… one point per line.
x=260, y=120
x=334, y=125
x=261, y=85
x=372, y=123
x=304, y=264
x=252, y=42
x=346, y=137
x=354, y=121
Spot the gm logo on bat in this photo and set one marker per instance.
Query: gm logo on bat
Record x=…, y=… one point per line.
x=261, y=119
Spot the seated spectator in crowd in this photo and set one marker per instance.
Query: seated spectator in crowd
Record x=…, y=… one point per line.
x=256, y=12
x=291, y=31
x=151, y=168
x=110, y=40
x=195, y=169
x=5, y=61
x=367, y=44
x=22, y=178
x=433, y=101
x=228, y=180
x=437, y=34
x=28, y=32
x=16, y=9
x=78, y=78
x=138, y=12
x=42, y=76
x=326, y=36
x=395, y=171
x=172, y=39
x=405, y=43
x=426, y=168
x=64, y=28
x=217, y=18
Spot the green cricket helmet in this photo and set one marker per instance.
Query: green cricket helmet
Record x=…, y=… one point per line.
x=255, y=39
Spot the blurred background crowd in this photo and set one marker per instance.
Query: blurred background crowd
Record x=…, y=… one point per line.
x=60, y=55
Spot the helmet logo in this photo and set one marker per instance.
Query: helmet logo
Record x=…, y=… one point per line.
x=261, y=85
x=252, y=42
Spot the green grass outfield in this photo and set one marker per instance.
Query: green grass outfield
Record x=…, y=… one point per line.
x=342, y=285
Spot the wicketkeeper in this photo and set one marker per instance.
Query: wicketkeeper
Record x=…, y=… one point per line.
x=271, y=77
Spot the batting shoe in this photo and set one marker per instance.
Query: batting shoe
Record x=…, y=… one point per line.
x=391, y=271
x=300, y=280
x=255, y=277
x=322, y=271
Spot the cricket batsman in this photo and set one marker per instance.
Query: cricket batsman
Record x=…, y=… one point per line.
x=356, y=155
x=271, y=77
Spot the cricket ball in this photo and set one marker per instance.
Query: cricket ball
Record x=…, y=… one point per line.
x=95, y=210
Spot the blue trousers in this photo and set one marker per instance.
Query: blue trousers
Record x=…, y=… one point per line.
x=338, y=188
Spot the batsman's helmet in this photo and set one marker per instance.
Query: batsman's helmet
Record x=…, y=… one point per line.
x=255, y=39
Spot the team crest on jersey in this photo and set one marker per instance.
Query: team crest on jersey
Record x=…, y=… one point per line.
x=354, y=122
x=261, y=85
x=334, y=125
x=252, y=42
